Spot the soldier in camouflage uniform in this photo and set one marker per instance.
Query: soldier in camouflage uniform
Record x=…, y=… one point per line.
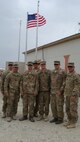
x=1, y=72
x=57, y=98
x=12, y=91
x=0, y=81
x=5, y=73
x=36, y=69
x=44, y=92
x=29, y=89
x=71, y=92
x=39, y=64
x=79, y=84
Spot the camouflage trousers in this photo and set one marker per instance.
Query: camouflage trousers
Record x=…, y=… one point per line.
x=28, y=104
x=57, y=103
x=36, y=104
x=12, y=104
x=71, y=108
x=4, y=107
x=44, y=100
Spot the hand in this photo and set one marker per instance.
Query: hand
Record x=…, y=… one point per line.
x=21, y=96
x=35, y=93
x=6, y=94
x=72, y=98
x=18, y=98
x=2, y=93
x=58, y=93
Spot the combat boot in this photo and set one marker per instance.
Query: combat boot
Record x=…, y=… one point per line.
x=31, y=119
x=59, y=121
x=9, y=119
x=54, y=120
x=40, y=118
x=4, y=115
x=66, y=124
x=35, y=115
x=23, y=118
x=14, y=118
x=46, y=118
x=73, y=125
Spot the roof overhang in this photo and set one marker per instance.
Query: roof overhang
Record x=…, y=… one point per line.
x=66, y=39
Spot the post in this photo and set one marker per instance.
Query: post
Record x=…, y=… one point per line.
x=19, y=42
x=37, y=28
x=26, y=42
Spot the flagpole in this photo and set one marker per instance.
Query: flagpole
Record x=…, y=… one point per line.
x=26, y=42
x=19, y=43
x=37, y=29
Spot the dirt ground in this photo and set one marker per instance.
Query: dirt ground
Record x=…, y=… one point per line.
x=39, y=131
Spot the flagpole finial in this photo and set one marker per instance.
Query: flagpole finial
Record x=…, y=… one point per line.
x=79, y=27
x=38, y=3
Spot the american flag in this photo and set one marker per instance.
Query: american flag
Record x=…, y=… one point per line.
x=32, y=20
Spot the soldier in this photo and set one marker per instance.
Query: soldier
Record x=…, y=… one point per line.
x=79, y=84
x=1, y=72
x=39, y=64
x=5, y=73
x=71, y=92
x=36, y=69
x=12, y=91
x=57, y=98
x=44, y=92
x=29, y=89
x=35, y=66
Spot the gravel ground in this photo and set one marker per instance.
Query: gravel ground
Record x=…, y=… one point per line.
x=39, y=131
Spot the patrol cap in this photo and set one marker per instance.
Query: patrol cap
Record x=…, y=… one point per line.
x=70, y=64
x=43, y=62
x=56, y=62
x=10, y=63
x=15, y=65
x=38, y=61
x=35, y=62
x=29, y=63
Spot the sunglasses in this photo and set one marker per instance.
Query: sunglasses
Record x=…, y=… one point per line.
x=70, y=66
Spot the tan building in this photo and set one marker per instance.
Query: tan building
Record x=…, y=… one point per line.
x=65, y=50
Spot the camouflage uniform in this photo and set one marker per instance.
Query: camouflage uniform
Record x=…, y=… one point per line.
x=0, y=82
x=36, y=101
x=79, y=84
x=57, y=101
x=12, y=91
x=72, y=89
x=0, y=79
x=3, y=76
x=44, y=93
x=29, y=89
x=4, y=107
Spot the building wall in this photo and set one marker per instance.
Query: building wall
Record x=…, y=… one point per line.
x=32, y=56
x=57, y=52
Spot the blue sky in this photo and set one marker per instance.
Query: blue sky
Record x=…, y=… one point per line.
x=62, y=20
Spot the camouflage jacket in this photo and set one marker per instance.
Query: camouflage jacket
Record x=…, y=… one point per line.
x=12, y=83
x=29, y=83
x=36, y=70
x=44, y=80
x=72, y=84
x=57, y=80
x=5, y=73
